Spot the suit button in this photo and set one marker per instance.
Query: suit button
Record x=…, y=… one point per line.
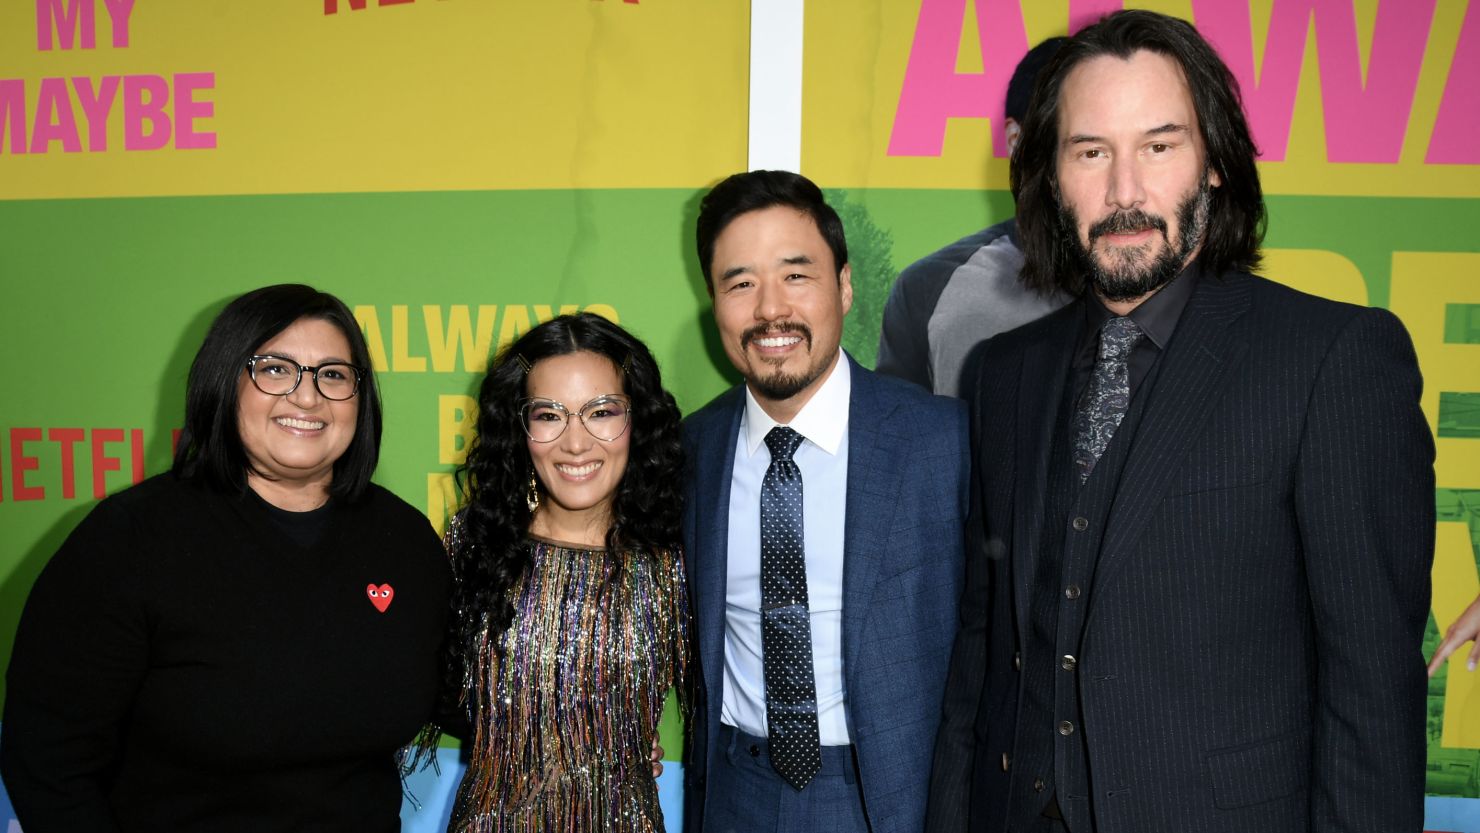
x=1069, y=662
x=755, y=751
x=1038, y=785
x=1006, y=761
x=1066, y=728
x=1071, y=592
x=1017, y=660
x=1081, y=524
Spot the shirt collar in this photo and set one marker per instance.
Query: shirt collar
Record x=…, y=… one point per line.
x=823, y=420
x=1158, y=315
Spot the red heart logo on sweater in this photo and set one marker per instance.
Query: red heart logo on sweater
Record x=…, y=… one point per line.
x=380, y=595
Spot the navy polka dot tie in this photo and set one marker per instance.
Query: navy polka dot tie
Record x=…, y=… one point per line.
x=1108, y=396
x=786, y=627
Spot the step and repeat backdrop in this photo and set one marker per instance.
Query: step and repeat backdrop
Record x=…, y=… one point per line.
x=459, y=170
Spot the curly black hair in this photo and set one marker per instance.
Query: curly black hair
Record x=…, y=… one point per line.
x=492, y=554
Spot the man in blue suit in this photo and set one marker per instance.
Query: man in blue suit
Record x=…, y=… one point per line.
x=823, y=537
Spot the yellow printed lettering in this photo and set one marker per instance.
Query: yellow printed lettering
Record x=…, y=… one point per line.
x=459, y=332
x=514, y=325
x=1423, y=283
x=606, y=311
x=1317, y=272
x=402, y=361
x=457, y=423
x=370, y=322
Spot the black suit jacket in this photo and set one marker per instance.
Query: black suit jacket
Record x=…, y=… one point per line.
x=1251, y=654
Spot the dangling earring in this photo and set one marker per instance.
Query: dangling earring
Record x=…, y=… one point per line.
x=532, y=500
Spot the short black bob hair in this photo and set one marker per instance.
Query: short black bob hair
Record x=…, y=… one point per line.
x=210, y=448
x=757, y=190
x=1236, y=216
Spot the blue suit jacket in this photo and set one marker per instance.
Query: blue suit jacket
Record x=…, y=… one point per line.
x=902, y=549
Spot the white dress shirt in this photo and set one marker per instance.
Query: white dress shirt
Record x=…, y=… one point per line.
x=823, y=460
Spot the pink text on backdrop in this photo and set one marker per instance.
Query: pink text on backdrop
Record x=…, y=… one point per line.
x=150, y=117
x=75, y=23
x=1457, y=128
x=933, y=90
x=1366, y=114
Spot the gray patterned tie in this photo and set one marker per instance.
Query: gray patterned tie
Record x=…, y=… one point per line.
x=786, y=626
x=1109, y=394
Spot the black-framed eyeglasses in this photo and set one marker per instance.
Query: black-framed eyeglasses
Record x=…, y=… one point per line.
x=280, y=376
x=606, y=417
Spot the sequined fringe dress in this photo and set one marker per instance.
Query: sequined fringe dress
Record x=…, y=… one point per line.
x=563, y=723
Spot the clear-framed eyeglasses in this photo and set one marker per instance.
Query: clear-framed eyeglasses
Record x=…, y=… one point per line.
x=606, y=417
x=280, y=376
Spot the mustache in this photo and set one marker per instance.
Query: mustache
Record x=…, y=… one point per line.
x=1123, y=222
x=764, y=330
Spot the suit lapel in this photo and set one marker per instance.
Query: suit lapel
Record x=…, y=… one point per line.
x=1203, y=349
x=1044, y=372
x=712, y=473
x=875, y=444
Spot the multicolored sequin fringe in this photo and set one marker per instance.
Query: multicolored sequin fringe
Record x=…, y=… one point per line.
x=564, y=721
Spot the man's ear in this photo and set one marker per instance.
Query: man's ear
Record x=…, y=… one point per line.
x=845, y=287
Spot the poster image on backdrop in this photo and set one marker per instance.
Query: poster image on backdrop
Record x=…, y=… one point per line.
x=459, y=170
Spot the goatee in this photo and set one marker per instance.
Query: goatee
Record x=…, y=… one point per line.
x=1131, y=272
x=779, y=385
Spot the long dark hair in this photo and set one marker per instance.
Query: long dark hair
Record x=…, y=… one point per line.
x=1236, y=215
x=491, y=555
x=210, y=448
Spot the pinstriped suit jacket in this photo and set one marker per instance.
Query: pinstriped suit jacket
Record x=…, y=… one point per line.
x=902, y=573
x=1251, y=654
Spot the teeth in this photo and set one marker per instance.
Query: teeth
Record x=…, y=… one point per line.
x=307, y=425
x=579, y=471
x=778, y=341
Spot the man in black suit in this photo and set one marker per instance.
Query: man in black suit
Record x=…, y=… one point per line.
x=1204, y=502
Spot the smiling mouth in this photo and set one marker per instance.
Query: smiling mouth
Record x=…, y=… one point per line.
x=301, y=424
x=579, y=471
x=772, y=342
x=780, y=336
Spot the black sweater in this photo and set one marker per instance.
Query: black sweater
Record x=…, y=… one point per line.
x=183, y=665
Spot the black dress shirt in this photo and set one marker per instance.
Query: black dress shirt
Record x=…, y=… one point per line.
x=1157, y=316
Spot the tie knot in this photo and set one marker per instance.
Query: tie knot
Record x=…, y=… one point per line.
x=1118, y=336
x=783, y=442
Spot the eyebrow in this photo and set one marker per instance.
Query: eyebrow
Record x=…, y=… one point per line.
x=794, y=260
x=1169, y=127
x=329, y=360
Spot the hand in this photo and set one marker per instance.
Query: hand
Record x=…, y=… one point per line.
x=657, y=758
x=1465, y=629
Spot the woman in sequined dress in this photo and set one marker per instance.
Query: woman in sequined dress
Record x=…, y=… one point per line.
x=570, y=610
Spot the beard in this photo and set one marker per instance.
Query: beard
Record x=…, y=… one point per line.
x=1124, y=273
x=780, y=384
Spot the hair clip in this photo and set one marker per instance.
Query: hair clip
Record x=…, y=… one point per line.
x=627, y=364
x=523, y=362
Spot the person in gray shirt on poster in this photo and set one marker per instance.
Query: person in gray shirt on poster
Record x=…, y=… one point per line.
x=949, y=300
